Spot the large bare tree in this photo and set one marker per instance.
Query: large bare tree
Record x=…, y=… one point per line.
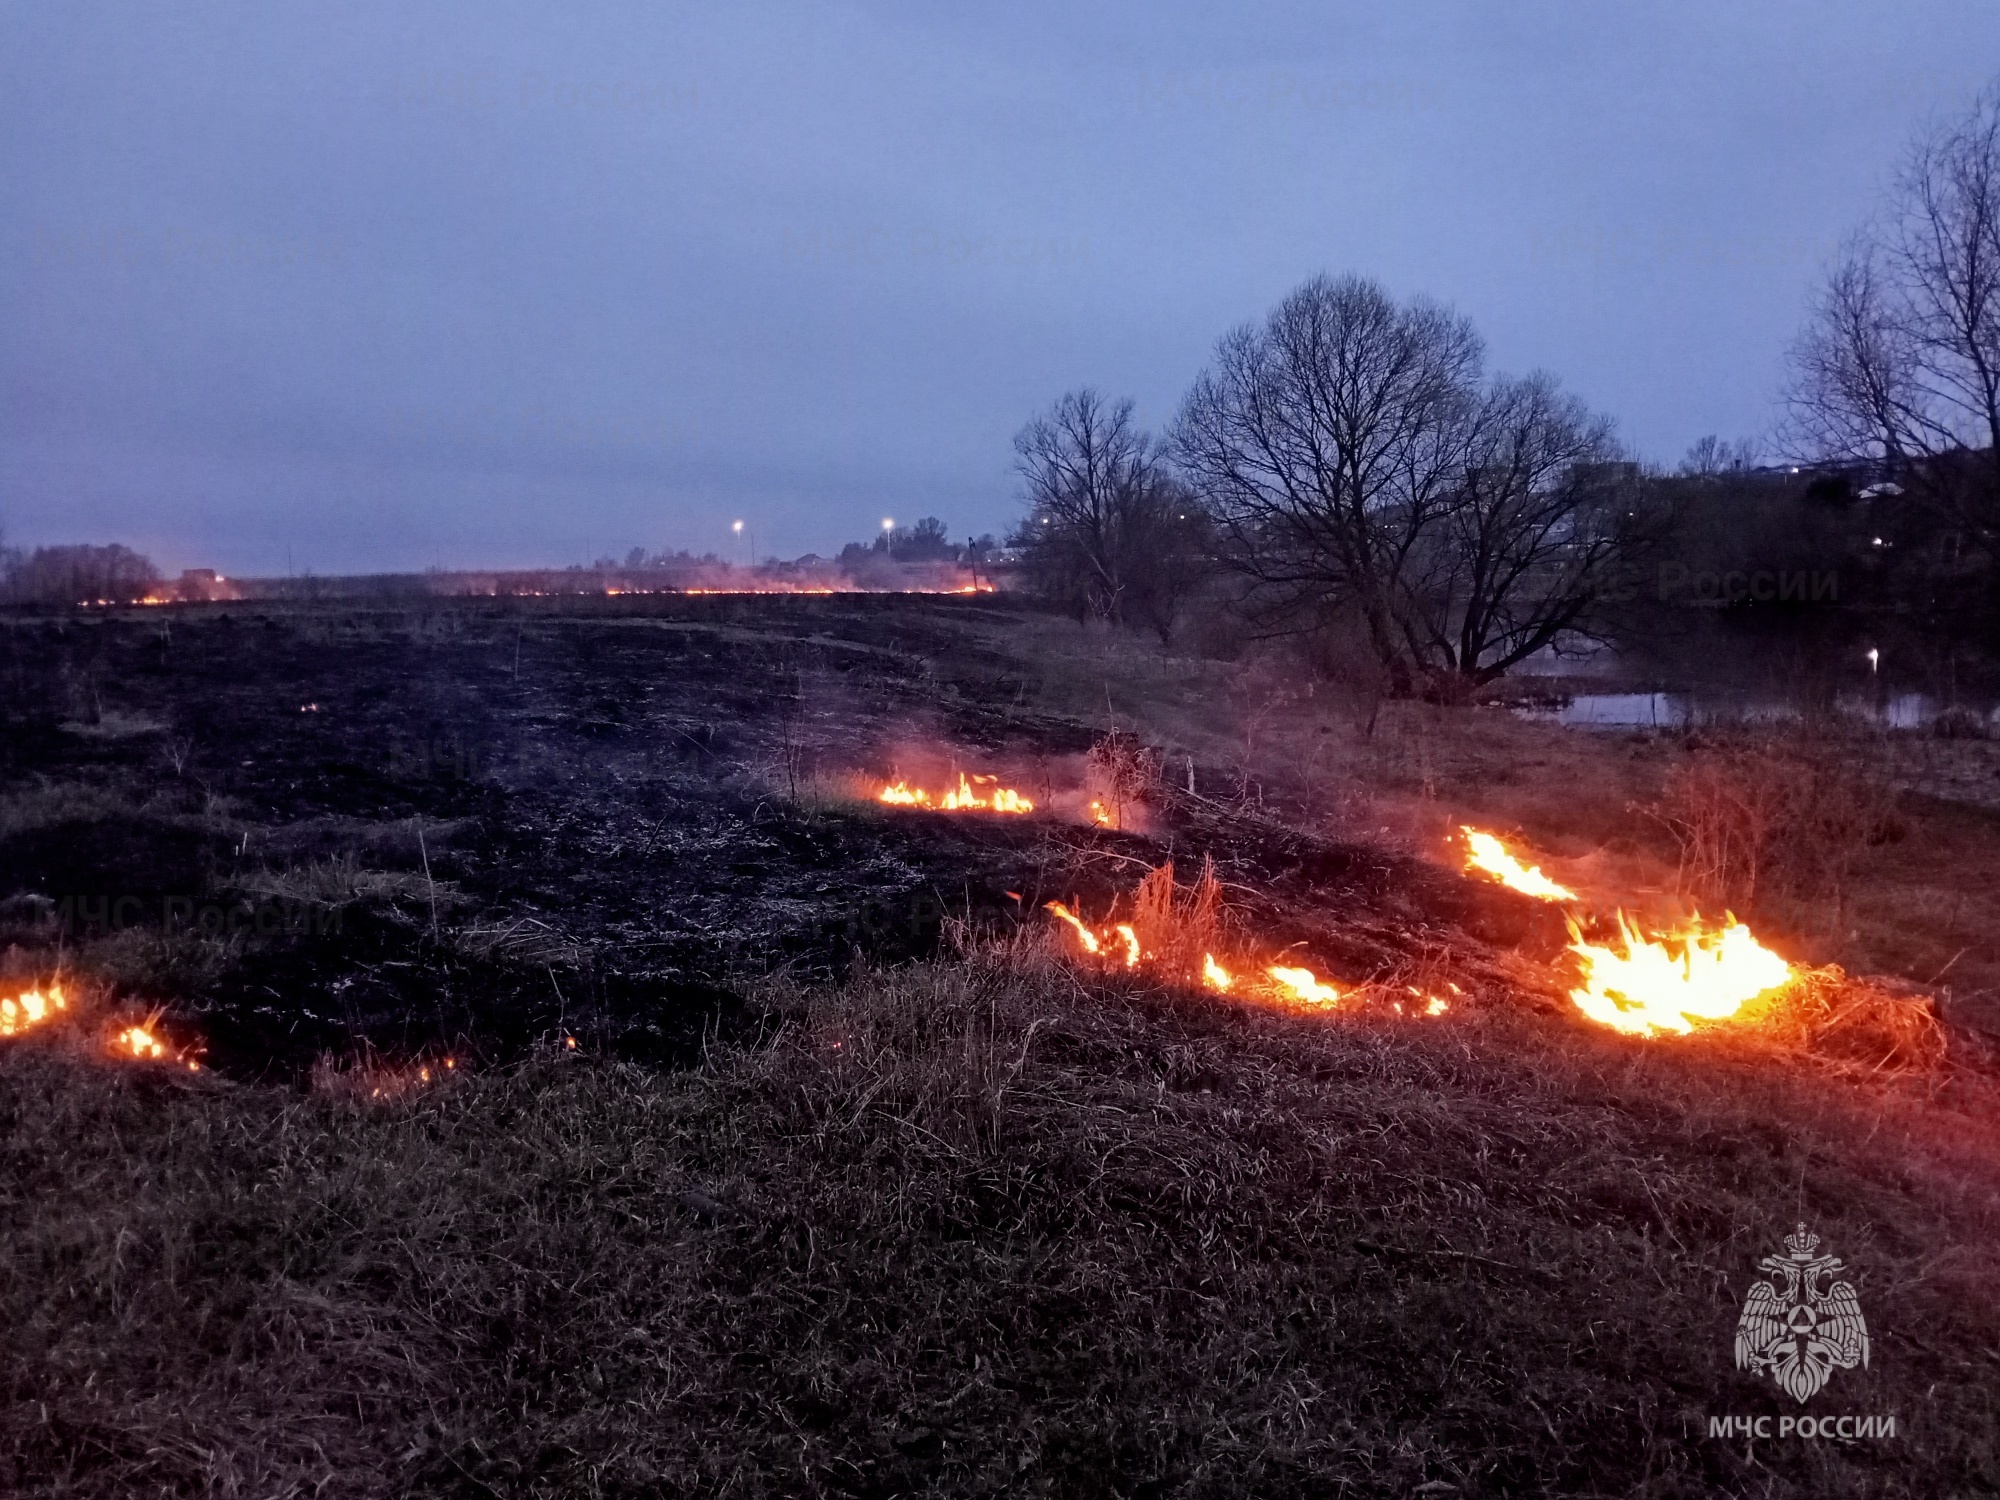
x=1525, y=541
x=1900, y=363
x=1356, y=464
x=1322, y=444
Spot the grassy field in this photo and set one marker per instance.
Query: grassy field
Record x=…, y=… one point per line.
x=849, y=1207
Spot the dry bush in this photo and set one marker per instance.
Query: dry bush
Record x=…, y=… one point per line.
x=1779, y=818
x=1121, y=771
x=1960, y=723
x=1179, y=927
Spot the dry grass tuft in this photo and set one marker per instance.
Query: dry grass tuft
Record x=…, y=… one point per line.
x=1874, y=1023
x=1179, y=927
x=342, y=881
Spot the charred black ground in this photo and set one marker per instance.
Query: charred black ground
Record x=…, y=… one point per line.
x=314, y=831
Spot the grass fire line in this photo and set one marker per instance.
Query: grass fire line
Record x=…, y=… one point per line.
x=1648, y=984
x=48, y=1011
x=986, y=796
x=1174, y=934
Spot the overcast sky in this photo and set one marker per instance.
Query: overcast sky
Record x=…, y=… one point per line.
x=356, y=286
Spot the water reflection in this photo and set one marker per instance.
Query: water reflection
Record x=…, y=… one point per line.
x=1679, y=710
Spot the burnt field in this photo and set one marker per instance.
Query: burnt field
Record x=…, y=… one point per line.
x=308, y=833
x=601, y=1091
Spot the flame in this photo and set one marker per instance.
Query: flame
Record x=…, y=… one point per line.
x=146, y=1042
x=1121, y=943
x=965, y=797
x=1485, y=852
x=1304, y=985
x=30, y=1009
x=1083, y=934
x=1652, y=984
x=138, y=1041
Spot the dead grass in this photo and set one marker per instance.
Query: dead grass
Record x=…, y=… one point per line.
x=980, y=1229
x=342, y=880
x=1779, y=816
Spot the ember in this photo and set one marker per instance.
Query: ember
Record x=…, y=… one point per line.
x=1487, y=854
x=987, y=796
x=1653, y=984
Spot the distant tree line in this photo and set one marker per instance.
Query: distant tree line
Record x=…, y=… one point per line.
x=1347, y=472
x=75, y=575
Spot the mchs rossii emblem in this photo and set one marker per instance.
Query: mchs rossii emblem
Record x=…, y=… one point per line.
x=1796, y=1328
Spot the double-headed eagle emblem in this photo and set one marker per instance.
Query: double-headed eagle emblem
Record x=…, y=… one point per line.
x=1792, y=1328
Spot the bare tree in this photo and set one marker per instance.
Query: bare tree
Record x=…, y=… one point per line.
x=1900, y=363
x=1335, y=445
x=70, y=575
x=1168, y=553
x=1094, y=484
x=1709, y=456
x=1523, y=543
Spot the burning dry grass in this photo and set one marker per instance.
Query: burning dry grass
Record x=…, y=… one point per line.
x=972, y=794
x=85, y=1020
x=1873, y=1024
x=984, y=1228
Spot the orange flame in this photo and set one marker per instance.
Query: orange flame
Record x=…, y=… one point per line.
x=1649, y=984
x=1083, y=934
x=965, y=797
x=143, y=1043
x=1304, y=985
x=1486, y=853
x=30, y=1009
x=1289, y=983
x=138, y=1041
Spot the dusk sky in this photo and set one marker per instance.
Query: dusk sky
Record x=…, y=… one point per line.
x=356, y=286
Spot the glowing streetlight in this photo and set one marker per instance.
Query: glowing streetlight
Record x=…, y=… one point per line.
x=1874, y=659
x=888, y=523
x=737, y=527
